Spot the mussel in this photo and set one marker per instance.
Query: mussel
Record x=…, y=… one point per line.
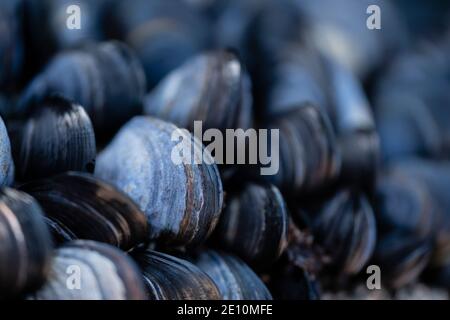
x=80, y=206
x=11, y=43
x=25, y=244
x=212, y=87
x=354, y=124
x=294, y=275
x=345, y=227
x=254, y=225
x=88, y=270
x=343, y=33
x=434, y=178
x=106, y=79
x=57, y=137
x=289, y=282
x=411, y=109
x=174, y=181
x=234, y=279
x=170, y=278
x=164, y=33
x=406, y=217
x=309, y=157
x=6, y=159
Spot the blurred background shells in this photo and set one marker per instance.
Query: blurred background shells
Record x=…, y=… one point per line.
x=80, y=206
x=254, y=225
x=26, y=245
x=11, y=43
x=234, y=279
x=213, y=88
x=170, y=278
x=181, y=195
x=164, y=34
x=88, y=270
x=57, y=137
x=106, y=79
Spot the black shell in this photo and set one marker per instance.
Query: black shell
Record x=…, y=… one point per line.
x=105, y=273
x=11, y=43
x=57, y=137
x=25, y=244
x=80, y=206
x=171, y=278
x=106, y=79
x=355, y=125
x=289, y=282
x=308, y=155
x=254, y=225
x=212, y=87
x=346, y=228
x=163, y=33
x=434, y=222
x=183, y=200
x=6, y=159
x=406, y=216
x=234, y=279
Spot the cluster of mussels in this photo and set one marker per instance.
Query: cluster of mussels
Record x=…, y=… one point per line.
x=92, y=207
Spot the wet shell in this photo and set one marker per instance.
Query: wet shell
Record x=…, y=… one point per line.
x=170, y=278
x=346, y=228
x=406, y=218
x=57, y=137
x=11, y=43
x=234, y=279
x=292, y=283
x=355, y=125
x=164, y=34
x=308, y=155
x=182, y=201
x=25, y=249
x=213, y=88
x=254, y=225
x=6, y=159
x=88, y=270
x=80, y=206
x=106, y=79
x=434, y=178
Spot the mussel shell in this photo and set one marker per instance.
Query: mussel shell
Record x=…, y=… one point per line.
x=234, y=279
x=354, y=123
x=182, y=201
x=80, y=206
x=309, y=158
x=11, y=43
x=346, y=228
x=6, y=159
x=254, y=225
x=105, y=273
x=212, y=87
x=25, y=249
x=171, y=278
x=164, y=34
x=404, y=204
x=57, y=137
x=106, y=79
x=288, y=282
x=402, y=257
x=434, y=177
